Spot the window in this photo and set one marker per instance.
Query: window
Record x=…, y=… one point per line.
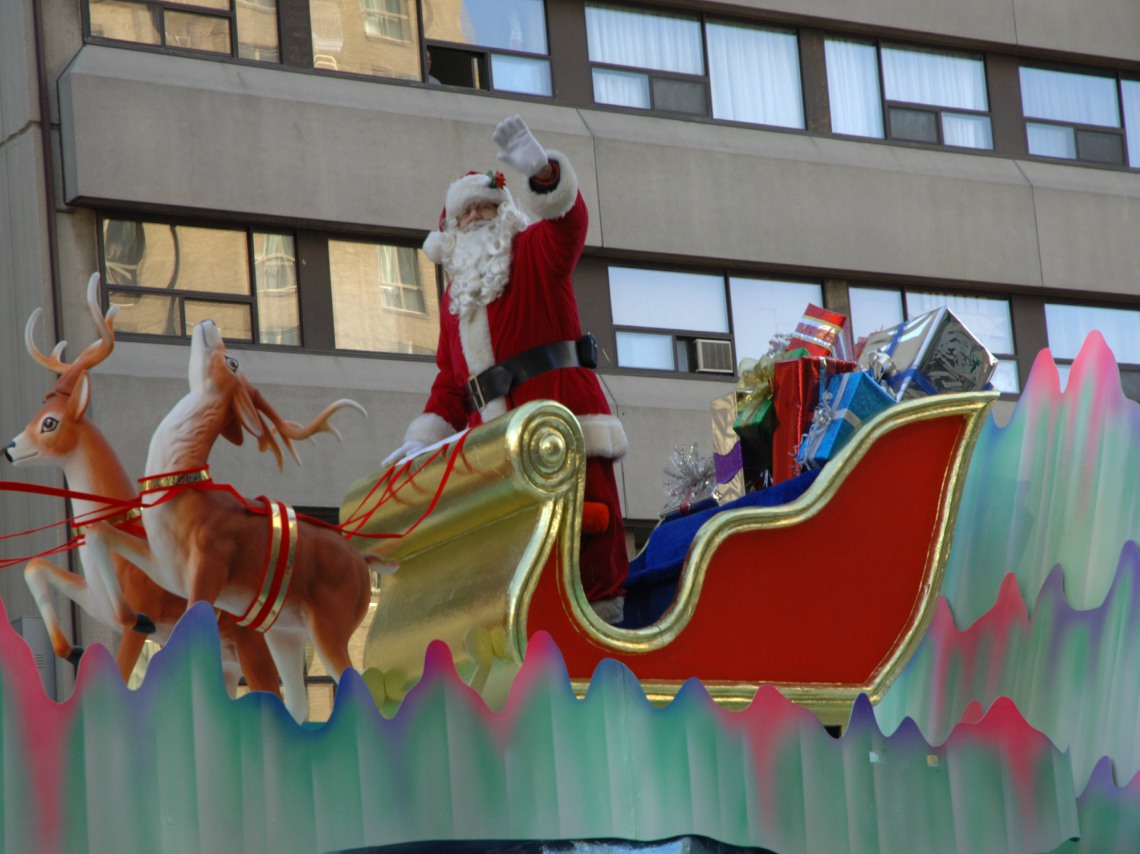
x=1067, y=327
x=932, y=96
x=987, y=318
x=489, y=44
x=1078, y=116
x=167, y=277
x=657, y=61
x=246, y=29
x=384, y=298
x=689, y=327
x=379, y=38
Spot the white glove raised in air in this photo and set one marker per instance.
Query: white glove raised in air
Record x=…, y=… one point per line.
x=405, y=450
x=518, y=147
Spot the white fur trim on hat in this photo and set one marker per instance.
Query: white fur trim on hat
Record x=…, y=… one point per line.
x=479, y=187
x=558, y=201
x=428, y=428
x=603, y=436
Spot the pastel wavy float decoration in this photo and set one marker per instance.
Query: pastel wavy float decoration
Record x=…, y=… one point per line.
x=1056, y=486
x=1074, y=674
x=177, y=766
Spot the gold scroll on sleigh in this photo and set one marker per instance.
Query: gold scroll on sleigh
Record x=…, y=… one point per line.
x=475, y=522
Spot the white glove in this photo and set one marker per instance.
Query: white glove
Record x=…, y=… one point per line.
x=518, y=147
x=405, y=450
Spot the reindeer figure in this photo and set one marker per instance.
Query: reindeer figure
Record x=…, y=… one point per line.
x=112, y=590
x=284, y=575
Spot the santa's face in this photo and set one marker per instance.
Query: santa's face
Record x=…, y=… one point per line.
x=477, y=215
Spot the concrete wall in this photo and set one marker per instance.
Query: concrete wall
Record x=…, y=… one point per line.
x=261, y=143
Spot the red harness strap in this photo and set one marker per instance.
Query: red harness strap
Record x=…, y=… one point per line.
x=265, y=608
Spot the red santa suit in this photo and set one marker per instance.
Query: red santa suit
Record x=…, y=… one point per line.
x=537, y=306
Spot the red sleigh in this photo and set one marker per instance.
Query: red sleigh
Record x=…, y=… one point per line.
x=824, y=598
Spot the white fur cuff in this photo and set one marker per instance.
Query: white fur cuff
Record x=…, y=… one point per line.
x=603, y=436
x=558, y=201
x=428, y=428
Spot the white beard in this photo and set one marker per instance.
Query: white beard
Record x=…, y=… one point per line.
x=479, y=262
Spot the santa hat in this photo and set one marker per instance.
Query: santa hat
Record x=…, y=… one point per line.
x=473, y=187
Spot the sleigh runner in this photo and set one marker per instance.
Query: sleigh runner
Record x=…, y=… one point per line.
x=488, y=529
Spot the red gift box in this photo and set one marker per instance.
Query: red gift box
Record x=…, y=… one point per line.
x=824, y=333
x=795, y=390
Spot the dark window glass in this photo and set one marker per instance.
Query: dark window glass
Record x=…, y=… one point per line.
x=679, y=96
x=1100, y=147
x=917, y=125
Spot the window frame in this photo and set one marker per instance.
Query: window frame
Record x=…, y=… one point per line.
x=702, y=19
x=181, y=296
x=685, y=338
x=161, y=7
x=1118, y=79
x=886, y=104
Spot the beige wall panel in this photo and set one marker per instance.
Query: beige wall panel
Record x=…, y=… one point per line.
x=1099, y=28
x=659, y=415
x=256, y=141
x=18, y=103
x=793, y=200
x=24, y=285
x=1089, y=221
x=970, y=19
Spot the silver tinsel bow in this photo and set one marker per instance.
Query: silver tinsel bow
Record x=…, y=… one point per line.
x=691, y=478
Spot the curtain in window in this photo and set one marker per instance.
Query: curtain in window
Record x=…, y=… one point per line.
x=934, y=78
x=1068, y=325
x=1130, y=89
x=967, y=131
x=621, y=88
x=1065, y=97
x=398, y=265
x=644, y=40
x=853, y=88
x=755, y=76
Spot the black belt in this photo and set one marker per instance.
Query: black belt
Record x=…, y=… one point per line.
x=498, y=380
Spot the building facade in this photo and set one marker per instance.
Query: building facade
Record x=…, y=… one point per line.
x=275, y=164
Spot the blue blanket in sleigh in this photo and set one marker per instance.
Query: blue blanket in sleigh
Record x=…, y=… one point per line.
x=653, y=574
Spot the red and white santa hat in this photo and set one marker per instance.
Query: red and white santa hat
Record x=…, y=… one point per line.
x=473, y=187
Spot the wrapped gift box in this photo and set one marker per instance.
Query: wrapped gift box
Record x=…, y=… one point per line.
x=756, y=415
x=727, y=455
x=933, y=353
x=847, y=402
x=796, y=388
x=824, y=333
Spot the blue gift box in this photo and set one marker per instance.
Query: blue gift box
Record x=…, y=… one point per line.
x=848, y=401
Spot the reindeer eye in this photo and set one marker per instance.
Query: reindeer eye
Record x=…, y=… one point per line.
x=232, y=363
x=48, y=425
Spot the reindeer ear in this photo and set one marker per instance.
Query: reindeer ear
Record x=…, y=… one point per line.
x=245, y=412
x=80, y=396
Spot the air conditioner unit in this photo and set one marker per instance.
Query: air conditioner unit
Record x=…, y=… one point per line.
x=35, y=634
x=714, y=356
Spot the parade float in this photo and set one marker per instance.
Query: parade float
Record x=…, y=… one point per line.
x=971, y=621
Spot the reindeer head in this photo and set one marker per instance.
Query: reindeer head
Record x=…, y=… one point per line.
x=53, y=434
x=217, y=376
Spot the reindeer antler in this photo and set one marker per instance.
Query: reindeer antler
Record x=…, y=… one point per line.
x=290, y=430
x=93, y=354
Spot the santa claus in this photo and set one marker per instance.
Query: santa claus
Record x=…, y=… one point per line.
x=510, y=333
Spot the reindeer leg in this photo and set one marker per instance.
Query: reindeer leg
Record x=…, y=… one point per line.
x=253, y=654
x=100, y=540
x=287, y=646
x=41, y=577
x=128, y=655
